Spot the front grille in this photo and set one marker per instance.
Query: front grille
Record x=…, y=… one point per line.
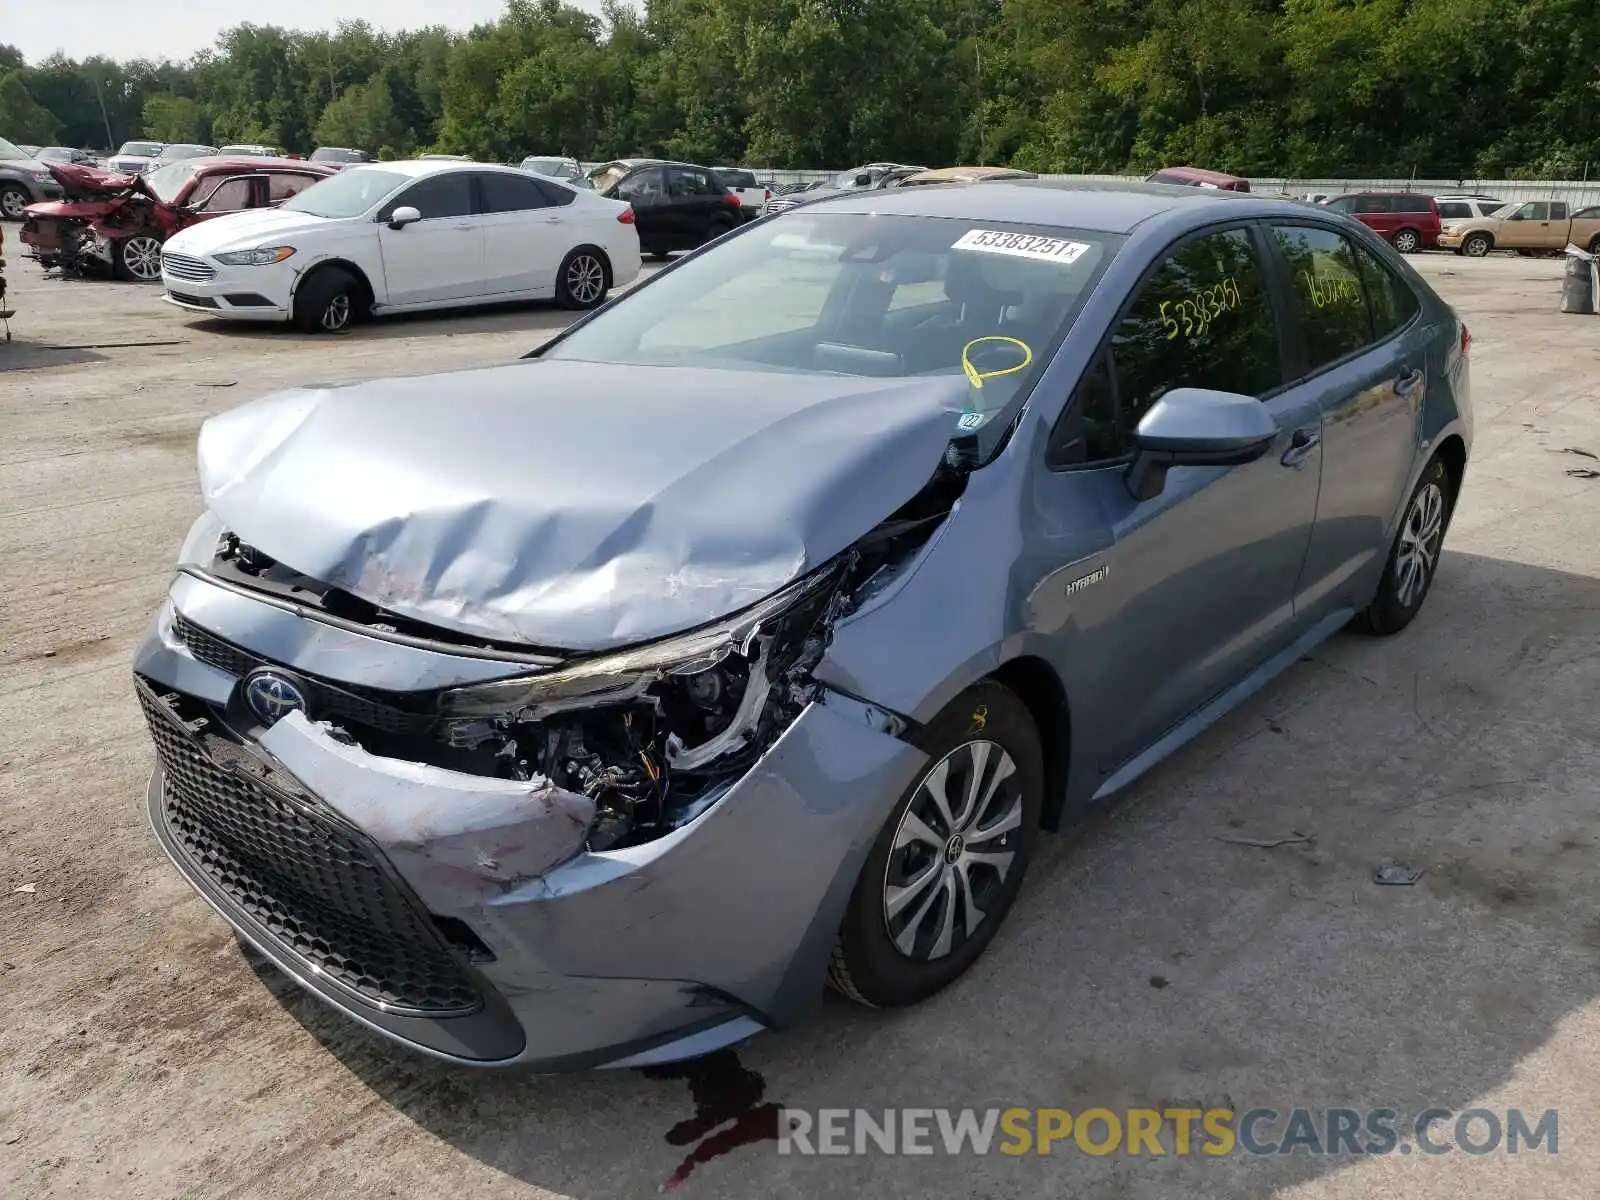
x=409, y=713
x=317, y=886
x=182, y=266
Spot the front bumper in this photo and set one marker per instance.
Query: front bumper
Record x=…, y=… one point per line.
x=491, y=941
x=234, y=293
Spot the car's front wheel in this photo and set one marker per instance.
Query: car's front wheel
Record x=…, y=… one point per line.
x=949, y=861
x=14, y=201
x=1414, y=556
x=1476, y=245
x=329, y=301
x=137, y=259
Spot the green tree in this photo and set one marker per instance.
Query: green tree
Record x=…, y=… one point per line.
x=362, y=117
x=169, y=118
x=22, y=117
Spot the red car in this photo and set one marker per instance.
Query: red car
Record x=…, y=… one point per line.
x=1199, y=177
x=1408, y=221
x=118, y=222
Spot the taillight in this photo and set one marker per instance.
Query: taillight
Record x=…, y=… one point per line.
x=766, y=195
x=732, y=199
x=1466, y=340
x=626, y=216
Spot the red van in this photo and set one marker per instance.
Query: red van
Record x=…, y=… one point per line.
x=1196, y=177
x=1408, y=221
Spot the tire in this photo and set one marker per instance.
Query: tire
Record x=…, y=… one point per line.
x=14, y=201
x=330, y=301
x=583, y=279
x=889, y=961
x=137, y=259
x=1476, y=245
x=1594, y=244
x=657, y=255
x=1416, y=547
x=716, y=230
x=1407, y=241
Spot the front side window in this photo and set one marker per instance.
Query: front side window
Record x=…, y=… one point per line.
x=167, y=183
x=1329, y=295
x=1342, y=204
x=509, y=193
x=643, y=187
x=976, y=310
x=1203, y=320
x=1373, y=204
x=439, y=197
x=230, y=195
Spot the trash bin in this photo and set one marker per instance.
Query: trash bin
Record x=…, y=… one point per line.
x=1579, y=285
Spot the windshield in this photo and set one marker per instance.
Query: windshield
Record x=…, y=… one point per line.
x=167, y=183
x=335, y=154
x=347, y=194
x=174, y=152
x=11, y=150
x=247, y=151
x=979, y=304
x=141, y=149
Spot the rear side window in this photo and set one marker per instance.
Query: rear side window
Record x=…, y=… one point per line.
x=682, y=183
x=1558, y=210
x=1412, y=203
x=1373, y=204
x=1203, y=319
x=738, y=179
x=510, y=193
x=1454, y=208
x=554, y=194
x=1329, y=293
x=1391, y=299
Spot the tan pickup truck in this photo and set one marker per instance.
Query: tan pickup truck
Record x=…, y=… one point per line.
x=1533, y=225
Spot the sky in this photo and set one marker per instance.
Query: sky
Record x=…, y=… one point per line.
x=175, y=29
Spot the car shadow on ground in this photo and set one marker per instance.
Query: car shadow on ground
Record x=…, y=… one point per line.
x=18, y=355
x=533, y=317
x=1156, y=961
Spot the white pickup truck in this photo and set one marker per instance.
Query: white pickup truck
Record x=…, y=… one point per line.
x=751, y=193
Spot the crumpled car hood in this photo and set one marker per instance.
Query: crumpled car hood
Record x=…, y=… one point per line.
x=567, y=505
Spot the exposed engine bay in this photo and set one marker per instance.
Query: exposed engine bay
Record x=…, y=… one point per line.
x=652, y=734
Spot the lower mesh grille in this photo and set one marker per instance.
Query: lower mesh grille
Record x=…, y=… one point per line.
x=315, y=885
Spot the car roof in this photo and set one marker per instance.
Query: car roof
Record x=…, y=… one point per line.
x=420, y=167
x=1109, y=207
x=971, y=174
x=1200, y=174
x=230, y=163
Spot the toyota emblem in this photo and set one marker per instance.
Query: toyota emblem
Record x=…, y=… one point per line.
x=273, y=695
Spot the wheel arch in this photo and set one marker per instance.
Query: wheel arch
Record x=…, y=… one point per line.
x=369, y=297
x=1041, y=691
x=600, y=252
x=1452, y=451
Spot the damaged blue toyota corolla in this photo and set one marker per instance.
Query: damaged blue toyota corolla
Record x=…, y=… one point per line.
x=593, y=709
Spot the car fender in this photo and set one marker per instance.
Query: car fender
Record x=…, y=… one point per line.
x=351, y=251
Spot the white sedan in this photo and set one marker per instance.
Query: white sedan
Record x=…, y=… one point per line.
x=402, y=237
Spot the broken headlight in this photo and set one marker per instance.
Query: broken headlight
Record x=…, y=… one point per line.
x=627, y=674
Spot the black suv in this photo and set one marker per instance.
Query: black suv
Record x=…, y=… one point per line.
x=676, y=206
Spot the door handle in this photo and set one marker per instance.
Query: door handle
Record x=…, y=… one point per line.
x=1408, y=382
x=463, y=228
x=1301, y=444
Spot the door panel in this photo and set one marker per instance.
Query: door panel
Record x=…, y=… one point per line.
x=441, y=256
x=646, y=191
x=1200, y=578
x=1367, y=371
x=522, y=239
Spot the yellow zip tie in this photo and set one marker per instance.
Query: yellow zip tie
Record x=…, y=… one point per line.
x=976, y=377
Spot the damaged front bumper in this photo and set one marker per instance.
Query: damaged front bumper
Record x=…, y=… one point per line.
x=467, y=916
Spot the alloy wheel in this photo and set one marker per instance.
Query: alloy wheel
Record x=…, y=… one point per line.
x=1476, y=247
x=1420, y=538
x=337, y=314
x=1405, y=242
x=586, y=279
x=13, y=203
x=952, y=850
x=141, y=255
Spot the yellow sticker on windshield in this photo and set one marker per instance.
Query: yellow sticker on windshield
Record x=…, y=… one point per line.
x=976, y=377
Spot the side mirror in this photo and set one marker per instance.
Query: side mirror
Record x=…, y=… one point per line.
x=403, y=216
x=864, y=179
x=1196, y=427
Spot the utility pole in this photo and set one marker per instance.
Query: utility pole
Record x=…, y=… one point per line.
x=111, y=142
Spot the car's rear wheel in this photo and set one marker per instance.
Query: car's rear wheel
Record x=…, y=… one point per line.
x=583, y=279
x=719, y=226
x=1413, y=558
x=330, y=301
x=14, y=202
x=948, y=863
x=1407, y=241
x=137, y=259
x=1476, y=245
